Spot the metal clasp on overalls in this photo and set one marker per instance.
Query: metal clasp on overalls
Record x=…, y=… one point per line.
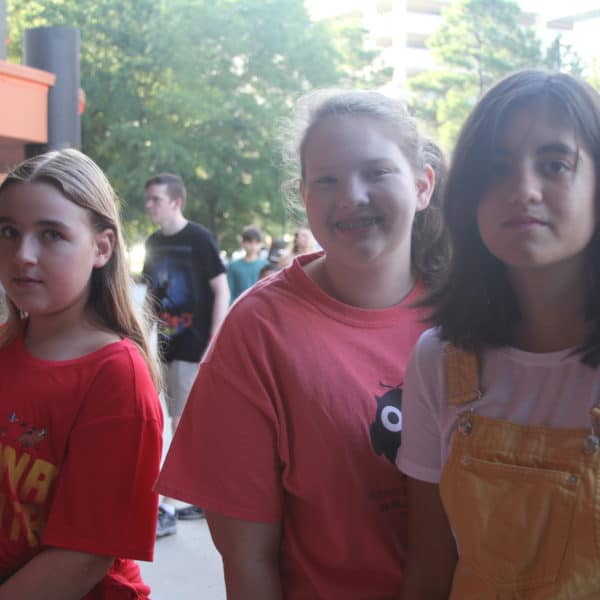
x=465, y=417
x=591, y=444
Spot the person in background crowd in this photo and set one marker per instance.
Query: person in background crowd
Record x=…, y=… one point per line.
x=304, y=242
x=81, y=423
x=279, y=253
x=244, y=272
x=267, y=270
x=290, y=435
x=187, y=288
x=502, y=410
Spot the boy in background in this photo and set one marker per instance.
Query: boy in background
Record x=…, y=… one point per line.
x=244, y=272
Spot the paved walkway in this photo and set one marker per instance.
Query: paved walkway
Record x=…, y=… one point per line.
x=186, y=566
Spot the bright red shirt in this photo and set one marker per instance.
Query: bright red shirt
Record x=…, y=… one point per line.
x=80, y=447
x=296, y=417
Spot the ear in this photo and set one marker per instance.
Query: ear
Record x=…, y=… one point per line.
x=425, y=186
x=105, y=243
x=177, y=202
x=303, y=192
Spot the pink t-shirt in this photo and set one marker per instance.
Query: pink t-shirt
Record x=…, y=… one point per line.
x=552, y=389
x=295, y=416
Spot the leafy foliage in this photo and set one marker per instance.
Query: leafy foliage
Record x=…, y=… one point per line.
x=479, y=42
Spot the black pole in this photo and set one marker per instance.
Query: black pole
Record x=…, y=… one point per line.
x=3, y=30
x=56, y=49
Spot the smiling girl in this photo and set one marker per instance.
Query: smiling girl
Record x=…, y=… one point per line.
x=80, y=420
x=502, y=399
x=292, y=427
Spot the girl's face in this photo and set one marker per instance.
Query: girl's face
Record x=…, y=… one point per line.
x=361, y=193
x=539, y=210
x=48, y=249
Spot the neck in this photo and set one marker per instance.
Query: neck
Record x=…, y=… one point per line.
x=66, y=335
x=374, y=287
x=552, y=310
x=173, y=225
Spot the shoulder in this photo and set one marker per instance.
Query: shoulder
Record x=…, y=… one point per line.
x=267, y=309
x=199, y=231
x=121, y=382
x=154, y=238
x=428, y=355
x=235, y=265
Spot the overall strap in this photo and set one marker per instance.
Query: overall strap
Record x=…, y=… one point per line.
x=462, y=376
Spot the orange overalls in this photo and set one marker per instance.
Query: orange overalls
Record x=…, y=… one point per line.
x=523, y=502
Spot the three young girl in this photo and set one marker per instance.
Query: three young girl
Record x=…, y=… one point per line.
x=293, y=426
x=501, y=437
x=291, y=430
x=80, y=420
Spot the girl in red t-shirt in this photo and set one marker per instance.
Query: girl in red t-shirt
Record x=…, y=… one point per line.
x=80, y=426
x=291, y=430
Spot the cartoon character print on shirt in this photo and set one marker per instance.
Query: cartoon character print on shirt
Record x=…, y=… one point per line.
x=28, y=479
x=22, y=434
x=173, y=291
x=386, y=429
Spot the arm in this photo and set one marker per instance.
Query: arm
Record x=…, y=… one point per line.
x=250, y=553
x=56, y=574
x=220, y=289
x=431, y=547
x=233, y=292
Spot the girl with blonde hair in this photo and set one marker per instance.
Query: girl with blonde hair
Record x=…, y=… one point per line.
x=80, y=419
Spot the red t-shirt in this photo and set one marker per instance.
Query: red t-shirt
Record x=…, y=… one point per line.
x=80, y=448
x=295, y=416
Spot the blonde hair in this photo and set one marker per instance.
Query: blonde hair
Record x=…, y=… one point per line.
x=80, y=180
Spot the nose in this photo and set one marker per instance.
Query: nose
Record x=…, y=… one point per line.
x=355, y=191
x=526, y=185
x=27, y=251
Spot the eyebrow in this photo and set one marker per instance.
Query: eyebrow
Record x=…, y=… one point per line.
x=557, y=148
x=42, y=223
x=552, y=148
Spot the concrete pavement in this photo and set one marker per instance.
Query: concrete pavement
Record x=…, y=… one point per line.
x=186, y=565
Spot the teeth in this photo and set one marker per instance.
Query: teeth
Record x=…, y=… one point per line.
x=357, y=223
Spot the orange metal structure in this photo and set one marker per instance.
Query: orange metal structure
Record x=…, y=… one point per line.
x=23, y=111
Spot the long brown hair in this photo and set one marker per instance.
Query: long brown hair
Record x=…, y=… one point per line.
x=476, y=305
x=80, y=180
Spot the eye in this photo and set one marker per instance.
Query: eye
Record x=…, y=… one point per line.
x=376, y=173
x=325, y=180
x=51, y=235
x=8, y=232
x=555, y=167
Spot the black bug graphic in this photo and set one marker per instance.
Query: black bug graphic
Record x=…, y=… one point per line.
x=386, y=429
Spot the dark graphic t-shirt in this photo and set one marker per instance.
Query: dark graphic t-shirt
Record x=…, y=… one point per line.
x=178, y=270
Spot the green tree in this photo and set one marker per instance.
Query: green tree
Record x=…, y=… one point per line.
x=197, y=87
x=478, y=42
